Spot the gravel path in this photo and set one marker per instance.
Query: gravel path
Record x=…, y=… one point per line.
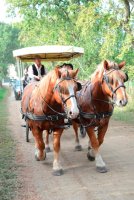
x=80, y=180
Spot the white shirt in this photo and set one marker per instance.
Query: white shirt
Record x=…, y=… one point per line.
x=30, y=72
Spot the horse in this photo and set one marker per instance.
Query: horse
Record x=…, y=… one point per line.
x=46, y=104
x=96, y=103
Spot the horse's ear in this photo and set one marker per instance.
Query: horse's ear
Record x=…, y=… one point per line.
x=75, y=72
x=122, y=64
x=106, y=65
x=57, y=71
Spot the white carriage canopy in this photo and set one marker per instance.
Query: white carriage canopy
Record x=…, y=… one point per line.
x=48, y=53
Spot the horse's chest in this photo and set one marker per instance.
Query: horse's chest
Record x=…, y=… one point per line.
x=35, y=105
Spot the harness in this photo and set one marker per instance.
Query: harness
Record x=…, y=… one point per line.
x=57, y=87
x=106, y=79
x=102, y=115
x=52, y=117
x=98, y=116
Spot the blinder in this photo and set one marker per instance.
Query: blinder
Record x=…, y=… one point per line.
x=126, y=79
x=79, y=86
x=106, y=78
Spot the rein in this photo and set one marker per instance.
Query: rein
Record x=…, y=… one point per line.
x=51, y=117
x=101, y=115
x=96, y=115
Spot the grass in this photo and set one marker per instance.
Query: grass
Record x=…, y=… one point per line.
x=3, y=93
x=126, y=113
x=8, y=176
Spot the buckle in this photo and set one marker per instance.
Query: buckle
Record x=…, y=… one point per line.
x=49, y=118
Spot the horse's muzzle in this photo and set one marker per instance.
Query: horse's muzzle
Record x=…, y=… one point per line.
x=121, y=103
x=72, y=115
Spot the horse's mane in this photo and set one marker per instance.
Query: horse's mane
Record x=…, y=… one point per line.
x=100, y=69
x=45, y=82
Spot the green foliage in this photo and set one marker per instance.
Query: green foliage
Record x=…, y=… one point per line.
x=3, y=92
x=8, y=42
x=99, y=27
x=126, y=113
x=130, y=70
x=8, y=177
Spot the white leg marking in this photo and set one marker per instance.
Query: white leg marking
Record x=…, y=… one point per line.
x=91, y=152
x=37, y=154
x=99, y=161
x=56, y=165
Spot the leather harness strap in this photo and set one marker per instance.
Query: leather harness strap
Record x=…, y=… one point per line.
x=32, y=116
x=96, y=116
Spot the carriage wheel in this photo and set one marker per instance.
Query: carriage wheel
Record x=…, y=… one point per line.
x=27, y=131
x=82, y=131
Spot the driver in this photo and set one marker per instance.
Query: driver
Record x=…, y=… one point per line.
x=37, y=70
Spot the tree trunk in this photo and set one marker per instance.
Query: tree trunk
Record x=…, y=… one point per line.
x=127, y=10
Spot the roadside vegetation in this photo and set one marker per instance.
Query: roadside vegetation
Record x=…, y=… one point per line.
x=8, y=176
x=126, y=113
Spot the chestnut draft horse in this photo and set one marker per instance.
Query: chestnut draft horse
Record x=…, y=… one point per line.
x=96, y=102
x=46, y=104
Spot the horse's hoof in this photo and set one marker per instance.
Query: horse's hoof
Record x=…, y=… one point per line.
x=58, y=172
x=47, y=149
x=36, y=158
x=91, y=158
x=101, y=169
x=39, y=159
x=78, y=148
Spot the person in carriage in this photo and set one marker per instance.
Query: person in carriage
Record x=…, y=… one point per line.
x=25, y=78
x=37, y=70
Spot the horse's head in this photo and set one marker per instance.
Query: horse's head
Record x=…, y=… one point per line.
x=65, y=91
x=112, y=80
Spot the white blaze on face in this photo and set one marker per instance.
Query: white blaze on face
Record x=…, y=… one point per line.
x=74, y=108
x=120, y=101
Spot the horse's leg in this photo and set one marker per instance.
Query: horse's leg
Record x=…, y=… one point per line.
x=39, y=145
x=100, y=165
x=57, y=168
x=78, y=147
x=90, y=154
x=47, y=147
x=101, y=133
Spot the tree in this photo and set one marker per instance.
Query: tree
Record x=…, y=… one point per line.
x=104, y=30
x=8, y=42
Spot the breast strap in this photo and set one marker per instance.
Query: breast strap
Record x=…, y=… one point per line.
x=100, y=115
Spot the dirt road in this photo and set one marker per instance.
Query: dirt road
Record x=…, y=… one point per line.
x=80, y=180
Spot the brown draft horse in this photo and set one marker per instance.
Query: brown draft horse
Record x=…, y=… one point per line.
x=96, y=102
x=46, y=104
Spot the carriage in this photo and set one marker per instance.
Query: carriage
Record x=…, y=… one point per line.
x=51, y=54
x=91, y=107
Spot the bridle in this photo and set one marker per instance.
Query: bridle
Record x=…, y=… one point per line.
x=106, y=79
x=57, y=87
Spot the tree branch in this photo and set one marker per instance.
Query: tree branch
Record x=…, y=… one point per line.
x=127, y=10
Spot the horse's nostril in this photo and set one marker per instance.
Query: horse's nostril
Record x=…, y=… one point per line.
x=70, y=112
x=120, y=101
